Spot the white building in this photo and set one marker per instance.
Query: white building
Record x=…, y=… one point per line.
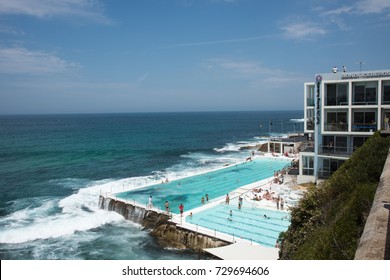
x=342, y=110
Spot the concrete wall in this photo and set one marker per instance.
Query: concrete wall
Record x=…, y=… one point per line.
x=375, y=241
x=167, y=232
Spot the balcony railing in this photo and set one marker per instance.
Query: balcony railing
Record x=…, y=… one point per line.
x=336, y=102
x=364, y=127
x=310, y=125
x=365, y=102
x=336, y=126
x=309, y=101
x=335, y=150
x=324, y=174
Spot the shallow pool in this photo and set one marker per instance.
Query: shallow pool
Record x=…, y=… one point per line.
x=190, y=190
x=248, y=223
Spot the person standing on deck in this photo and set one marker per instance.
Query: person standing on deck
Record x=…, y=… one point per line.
x=239, y=203
x=181, y=208
x=166, y=206
x=150, y=203
x=227, y=201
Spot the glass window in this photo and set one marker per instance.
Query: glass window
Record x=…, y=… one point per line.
x=310, y=119
x=336, y=121
x=342, y=94
x=365, y=93
x=386, y=92
x=331, y=94
x=308, y=165
x=310, y=96
x=364, y=121
x=336, y=94
x=341, y=144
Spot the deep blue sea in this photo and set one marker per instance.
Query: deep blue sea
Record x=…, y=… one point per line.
x=53, y=168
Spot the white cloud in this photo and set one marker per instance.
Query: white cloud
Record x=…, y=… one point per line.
x=142, y=78
x=18, y=60
x=90, y=9
x=361, y=7
x=338, y=11
x=258, y=75
x=372, y=6
x=207, y=43
x=302, y=30
x=243, y=67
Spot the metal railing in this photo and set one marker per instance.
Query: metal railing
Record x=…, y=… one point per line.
x=367, y=127
x=335, y=150
x=336, y=126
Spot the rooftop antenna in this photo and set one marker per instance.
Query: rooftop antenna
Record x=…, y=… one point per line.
x=360, y=64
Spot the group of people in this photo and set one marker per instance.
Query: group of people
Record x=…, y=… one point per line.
x=167, y=209
x=268, y=195
x=203, y=200
x=279, y=203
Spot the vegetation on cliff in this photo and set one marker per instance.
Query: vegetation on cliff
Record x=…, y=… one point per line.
x=330, y=218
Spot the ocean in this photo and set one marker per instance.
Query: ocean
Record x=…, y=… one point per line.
x=53, y=168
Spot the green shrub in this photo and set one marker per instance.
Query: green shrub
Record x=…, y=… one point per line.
x=329, y=220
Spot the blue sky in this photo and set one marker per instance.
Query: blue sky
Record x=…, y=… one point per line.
x=95, y=56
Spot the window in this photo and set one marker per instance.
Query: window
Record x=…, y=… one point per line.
x=336, y=121
x=329, y=166
x=308, y=165
x=310, y=119
x=341, y=145
x=365, y=93
x=336, y=94
x=310, y=96
x=364, y=121
x=386, y=92
x=331, y=95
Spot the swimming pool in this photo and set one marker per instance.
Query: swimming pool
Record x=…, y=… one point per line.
x=190, y=190
x=248, y=223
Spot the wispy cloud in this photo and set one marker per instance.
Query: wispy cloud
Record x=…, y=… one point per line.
x=18, y=60
x=215, y=42
x=258, y=74
x=87, y=9
x=372, y=6
x=302, y=30
x=361, y=7
x=142, y=78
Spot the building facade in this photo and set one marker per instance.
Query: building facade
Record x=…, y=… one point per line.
x=341, y=111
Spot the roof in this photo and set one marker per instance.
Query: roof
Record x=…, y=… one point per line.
x=244, y=251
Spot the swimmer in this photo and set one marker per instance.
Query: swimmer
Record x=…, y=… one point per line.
x=230, y=216
x=266, y=217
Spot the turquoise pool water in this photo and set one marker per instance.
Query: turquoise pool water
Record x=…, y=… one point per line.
x=190, y=190
x=248, y=223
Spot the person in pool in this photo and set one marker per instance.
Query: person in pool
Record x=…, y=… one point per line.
x=230, y=218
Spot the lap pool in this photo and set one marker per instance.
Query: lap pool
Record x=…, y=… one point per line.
x=248, y=223
x=190, y=190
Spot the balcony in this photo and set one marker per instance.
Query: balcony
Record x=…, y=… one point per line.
x=324, y=174
x=364, y=127
x=310, y=102
x=336, y=126
x=335, y=150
